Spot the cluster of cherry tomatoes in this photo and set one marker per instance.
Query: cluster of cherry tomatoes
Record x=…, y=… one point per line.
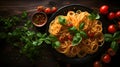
x=112, y=28
x=47, y=10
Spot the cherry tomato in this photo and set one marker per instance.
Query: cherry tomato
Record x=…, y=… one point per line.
x=112, y=28
x=90, y=34
x=97, y=64
x=111, y=52
x=104, y=9
x=47, y=10
x=111, y=15
x=106, y=58
x=117, y=14
x=54, y=9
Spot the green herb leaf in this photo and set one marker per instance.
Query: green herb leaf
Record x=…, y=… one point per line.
x=52, y=38
x=77, y=35
x=108, y=37
x=114, y=45
x=73, y=29
x=39, y=34
x=116, y=35
x=97, y=16
x=76, y=39
x=94, y=15
x=56, y=44
x=44, y=35
x=81, y=25
x=83, y=34
x=34, y=43
x=39, y=43
x=61, y=20
x=47, y=41
x=24, y=14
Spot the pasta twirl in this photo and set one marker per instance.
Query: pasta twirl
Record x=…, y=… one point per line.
x=88, y=45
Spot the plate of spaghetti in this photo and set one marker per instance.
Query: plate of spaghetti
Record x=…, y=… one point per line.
x=78, y=36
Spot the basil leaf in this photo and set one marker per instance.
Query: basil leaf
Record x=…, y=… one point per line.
x=47, y=41
x=108, y=39
x=39, y=34
x=97, y=16
x=44, y=35
x=34, y=43
x=94, y=15
x=77, y=35
x=81, y=25
x=114, y=45
x=108, y=35
x=61, y=20
x=73, y=29
x=116, y=35
x=83, y=34
x=39, y=43
x=76, y=40
x=56, y=44
x=52, y=38
x=24, y=14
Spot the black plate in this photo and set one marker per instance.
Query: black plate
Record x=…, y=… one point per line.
x=62, y=57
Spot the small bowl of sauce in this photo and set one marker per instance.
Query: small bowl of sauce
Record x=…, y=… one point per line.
x=39, y=19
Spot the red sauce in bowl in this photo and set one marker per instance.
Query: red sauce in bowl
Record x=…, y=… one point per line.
x=39, y=19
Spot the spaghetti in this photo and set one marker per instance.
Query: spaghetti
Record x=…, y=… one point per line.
x=88, y=45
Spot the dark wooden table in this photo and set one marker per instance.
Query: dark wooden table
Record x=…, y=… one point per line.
x=15, y=7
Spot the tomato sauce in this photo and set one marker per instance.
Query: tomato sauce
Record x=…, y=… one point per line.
x=39, y=18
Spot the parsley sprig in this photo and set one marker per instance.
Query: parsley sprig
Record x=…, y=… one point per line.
x=22, y=36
